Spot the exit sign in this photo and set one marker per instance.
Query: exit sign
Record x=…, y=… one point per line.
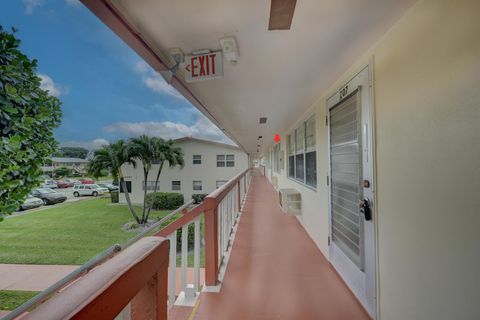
x=203, y=66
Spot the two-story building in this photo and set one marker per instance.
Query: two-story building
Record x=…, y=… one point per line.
x=208, y=165
x=76, y=165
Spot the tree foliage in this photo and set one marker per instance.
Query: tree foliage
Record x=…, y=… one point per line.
x=144, y=149
x=28, y=116
x=71, y=152
x=61, y=172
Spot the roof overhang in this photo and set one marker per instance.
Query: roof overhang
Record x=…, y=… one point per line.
x=279, y=75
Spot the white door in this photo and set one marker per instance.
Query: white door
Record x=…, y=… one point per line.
x=351, y=203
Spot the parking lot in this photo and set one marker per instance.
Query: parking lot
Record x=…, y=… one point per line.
x=68, y=192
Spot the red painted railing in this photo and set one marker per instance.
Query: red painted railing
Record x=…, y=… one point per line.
x=136, y=277
x=136, y=280
x=222, y=205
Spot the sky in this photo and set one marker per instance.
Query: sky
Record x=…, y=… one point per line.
x=107, y=91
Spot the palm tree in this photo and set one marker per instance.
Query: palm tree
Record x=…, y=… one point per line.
x=112, y=157
x=165, y=151
x=143, y=149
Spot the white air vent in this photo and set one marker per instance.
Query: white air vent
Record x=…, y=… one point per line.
x=290, y=201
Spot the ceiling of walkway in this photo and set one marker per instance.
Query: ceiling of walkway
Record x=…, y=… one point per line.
x=279, y=73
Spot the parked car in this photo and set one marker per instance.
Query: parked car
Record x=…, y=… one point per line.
x=89, y=190
x=49, y=196
x=87, y=181
x=109, y=186
x=64, y=184
x=31, y=202
x=72, y=181
x=49, y=183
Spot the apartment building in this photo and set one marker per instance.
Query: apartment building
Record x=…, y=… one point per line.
x=76, y=165
x=208, y=165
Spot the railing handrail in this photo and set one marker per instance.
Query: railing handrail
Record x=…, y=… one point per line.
x=217, y=195
x=187, y=218
x=75, y=274
x=210, y=202
x=86, y=267
x=103, y=293
x=157, y=224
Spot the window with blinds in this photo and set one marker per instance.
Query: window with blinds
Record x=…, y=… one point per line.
x=302, y=155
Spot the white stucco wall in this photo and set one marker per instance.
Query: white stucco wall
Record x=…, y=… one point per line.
x=426, y=73
x=207, y=172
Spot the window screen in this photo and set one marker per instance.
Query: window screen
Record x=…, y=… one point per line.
x=197, y=159
x=197, y=185
x=176, y=185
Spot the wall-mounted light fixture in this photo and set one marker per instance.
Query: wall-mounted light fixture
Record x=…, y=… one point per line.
x=230, y=49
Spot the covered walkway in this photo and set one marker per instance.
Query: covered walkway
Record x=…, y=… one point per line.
x=276, y=271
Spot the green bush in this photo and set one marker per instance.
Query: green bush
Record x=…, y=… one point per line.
x=198, y=197
x=190, y=237
x=28, y=116
x=165, y=200
x=62, y=172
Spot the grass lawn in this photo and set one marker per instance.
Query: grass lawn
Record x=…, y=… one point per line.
x=70, y=233
x=9, y=300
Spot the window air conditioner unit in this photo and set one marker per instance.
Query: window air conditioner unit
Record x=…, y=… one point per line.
x=290, y=201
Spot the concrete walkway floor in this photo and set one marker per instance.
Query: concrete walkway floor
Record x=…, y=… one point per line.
x=276, y=271
x=30, y=277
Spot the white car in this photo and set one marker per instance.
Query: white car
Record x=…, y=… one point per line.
x=30, y=203
x=89, y=190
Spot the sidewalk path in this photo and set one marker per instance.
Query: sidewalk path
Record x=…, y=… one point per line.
x=29, y=277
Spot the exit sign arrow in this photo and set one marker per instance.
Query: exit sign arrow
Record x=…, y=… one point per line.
x=203, y=66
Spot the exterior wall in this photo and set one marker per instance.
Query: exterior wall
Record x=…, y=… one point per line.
x=207, y=172
x=426, y=71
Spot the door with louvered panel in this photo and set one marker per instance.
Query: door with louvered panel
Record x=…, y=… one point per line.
x=351, y=203
x=346, y=175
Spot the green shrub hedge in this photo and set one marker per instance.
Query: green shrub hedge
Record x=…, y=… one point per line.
x=198, y=197
x=165, y=200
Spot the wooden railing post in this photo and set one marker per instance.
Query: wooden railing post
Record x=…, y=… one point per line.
x=211, y=242
x=162, y=296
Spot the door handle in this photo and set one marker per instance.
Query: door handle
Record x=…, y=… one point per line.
x=365, y=209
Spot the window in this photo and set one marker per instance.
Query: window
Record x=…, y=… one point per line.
x=302, y=155
x=176, y=185
x=150, y=186
x=197, y=185
x=299, y=153
x=310, y=153
x=220, y=160
x=227, y=160
x=197, y=159
x=220, y=183
x=230, y=160
x=128, y=184
x=291, y=155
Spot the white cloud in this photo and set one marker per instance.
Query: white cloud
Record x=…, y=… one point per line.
x=53, y=88
x=90, y=145
x=31, y=4
x=202, y=128
x=73, y=3
x=154, y=81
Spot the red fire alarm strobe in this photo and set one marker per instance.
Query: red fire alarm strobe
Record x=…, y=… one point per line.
x=276, y=138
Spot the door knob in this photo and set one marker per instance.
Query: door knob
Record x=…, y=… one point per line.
x=365, y=209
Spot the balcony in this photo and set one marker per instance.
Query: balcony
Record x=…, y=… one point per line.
x=259, y=264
